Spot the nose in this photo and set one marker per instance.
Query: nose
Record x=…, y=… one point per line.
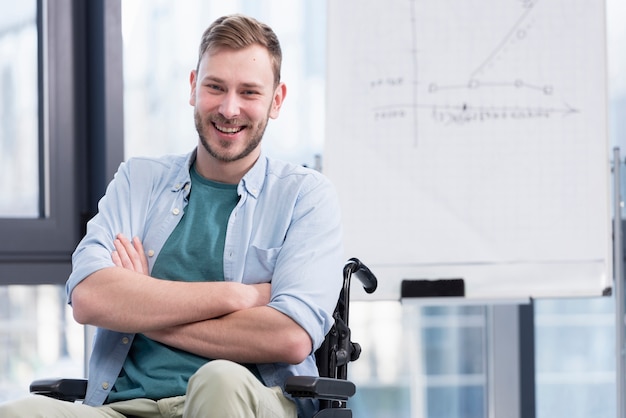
x=230, y=105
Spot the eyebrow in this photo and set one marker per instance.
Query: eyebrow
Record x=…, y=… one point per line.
x=221, y=81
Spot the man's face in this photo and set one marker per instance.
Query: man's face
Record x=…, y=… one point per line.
x=233, y=95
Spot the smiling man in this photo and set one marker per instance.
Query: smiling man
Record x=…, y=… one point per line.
x=212, y=276
x=234, y=92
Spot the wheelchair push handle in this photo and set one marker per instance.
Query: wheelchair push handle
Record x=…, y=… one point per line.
x=362, y=272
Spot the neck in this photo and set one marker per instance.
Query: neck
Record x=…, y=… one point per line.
x=221, y=171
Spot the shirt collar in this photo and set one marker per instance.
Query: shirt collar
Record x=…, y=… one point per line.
x=182, y=179
x=252, y=182
x=254, y=179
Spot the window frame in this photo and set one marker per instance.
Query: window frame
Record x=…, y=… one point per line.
x=80, y=136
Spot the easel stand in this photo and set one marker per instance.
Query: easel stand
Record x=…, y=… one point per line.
x=618, y=257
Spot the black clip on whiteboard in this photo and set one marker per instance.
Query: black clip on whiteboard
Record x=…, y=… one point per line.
x=432, y=288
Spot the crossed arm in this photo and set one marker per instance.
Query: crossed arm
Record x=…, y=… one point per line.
x=220, y=320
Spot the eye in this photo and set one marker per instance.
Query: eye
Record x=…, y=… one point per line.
x=214, y=87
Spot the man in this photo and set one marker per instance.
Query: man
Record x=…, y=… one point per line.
x=211, y=277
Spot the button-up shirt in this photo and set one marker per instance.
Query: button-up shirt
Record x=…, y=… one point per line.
x=285, y=230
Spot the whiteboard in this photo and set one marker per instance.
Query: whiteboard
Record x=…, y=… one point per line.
x=468, y=139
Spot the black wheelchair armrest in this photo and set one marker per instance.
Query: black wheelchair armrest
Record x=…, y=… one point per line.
x=63, y=389
x=319, y=387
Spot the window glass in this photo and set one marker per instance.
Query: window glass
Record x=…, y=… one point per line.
x=38, y=336
x=418, y=361
x=19, y=133
x=574, y=358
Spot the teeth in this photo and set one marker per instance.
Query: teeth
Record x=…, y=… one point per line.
x=228, y=130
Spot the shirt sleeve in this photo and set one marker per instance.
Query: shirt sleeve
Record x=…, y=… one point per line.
x=308, y=274
x=94, y=250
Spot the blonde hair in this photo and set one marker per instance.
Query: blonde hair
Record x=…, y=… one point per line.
x=237, y=32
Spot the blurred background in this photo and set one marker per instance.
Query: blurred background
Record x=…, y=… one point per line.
x=418, y=361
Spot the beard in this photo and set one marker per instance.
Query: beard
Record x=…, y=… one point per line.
x=223, y=152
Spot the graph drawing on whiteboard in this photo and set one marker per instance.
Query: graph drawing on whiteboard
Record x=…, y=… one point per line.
x=468, y=138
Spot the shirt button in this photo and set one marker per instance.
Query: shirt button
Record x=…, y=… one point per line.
x=150, y=253
x=125, y=340
x=177, y=186
x=176, y=211
x=105, y=385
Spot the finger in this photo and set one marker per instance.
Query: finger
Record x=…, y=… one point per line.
x=115, y=257
x=141, y=254
x=134, y=253
x=122, y=253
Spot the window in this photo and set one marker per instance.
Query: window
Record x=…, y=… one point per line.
x=39, y=338
x=19, y=133
x=60, y=134
x=38, y=206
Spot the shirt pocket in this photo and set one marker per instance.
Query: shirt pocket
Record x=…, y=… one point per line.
x=260, y=264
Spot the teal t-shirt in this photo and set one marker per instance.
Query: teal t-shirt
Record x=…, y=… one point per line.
x=194, y=252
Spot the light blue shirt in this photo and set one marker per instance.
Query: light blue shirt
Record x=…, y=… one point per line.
x=285, y=230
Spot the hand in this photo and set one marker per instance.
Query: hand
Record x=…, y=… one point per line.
x=258, y=294
x=129, y=255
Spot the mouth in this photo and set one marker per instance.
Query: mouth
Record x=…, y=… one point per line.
x=228, y=130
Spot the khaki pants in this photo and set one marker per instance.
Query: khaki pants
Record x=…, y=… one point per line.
x=219, y=389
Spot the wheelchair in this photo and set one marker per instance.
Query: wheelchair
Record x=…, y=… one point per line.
x=331, y=387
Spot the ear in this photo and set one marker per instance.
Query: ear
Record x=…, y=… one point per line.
x=279, y=96
x=192, y=82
